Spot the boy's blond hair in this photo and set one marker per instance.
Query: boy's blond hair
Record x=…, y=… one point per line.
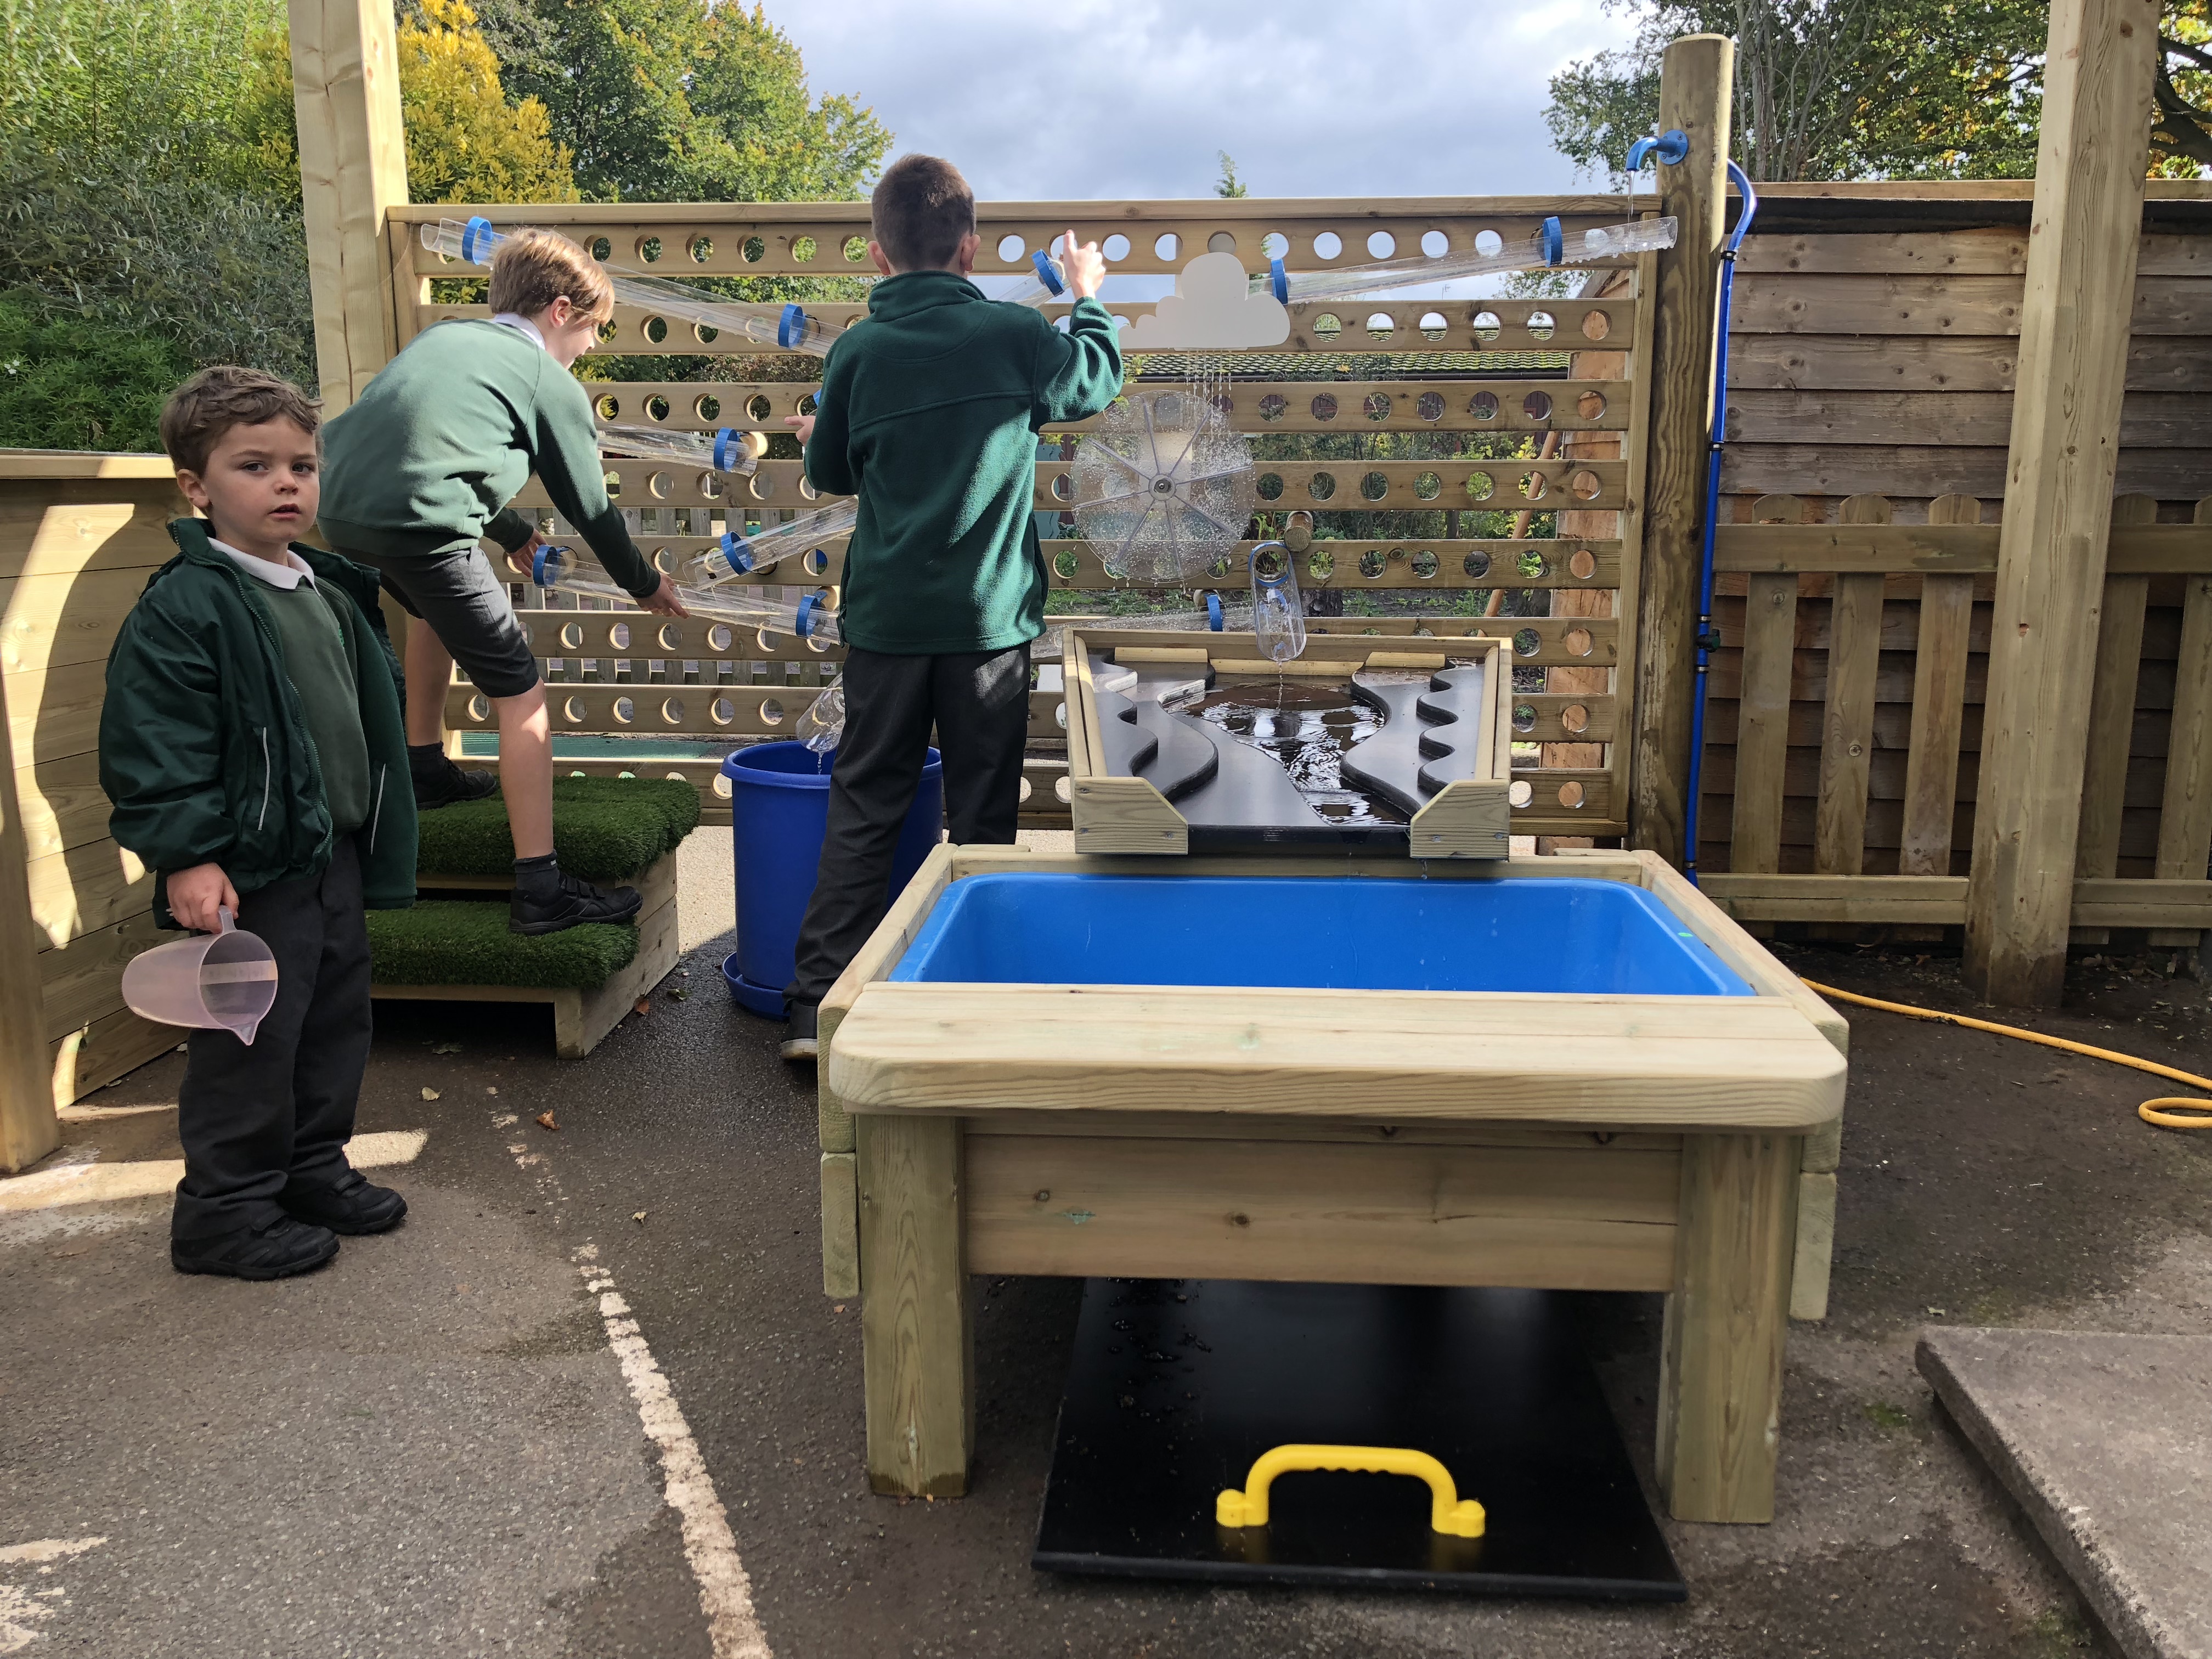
x=216, y=399
x=532, y=269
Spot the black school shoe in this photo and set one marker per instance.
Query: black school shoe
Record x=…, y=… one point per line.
x=447, y=783
x=800, y=1042
x=278, y=1250
x=354, y=1207
x=566, y=902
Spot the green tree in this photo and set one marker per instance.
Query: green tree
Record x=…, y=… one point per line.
x=1229, y=184
x=77, y=383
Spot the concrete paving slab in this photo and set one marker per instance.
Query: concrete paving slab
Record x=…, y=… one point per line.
x=2105, y=1440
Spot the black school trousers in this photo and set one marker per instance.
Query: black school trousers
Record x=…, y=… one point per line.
x=979, y=702
x=255, y=1118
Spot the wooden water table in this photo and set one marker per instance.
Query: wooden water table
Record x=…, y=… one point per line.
x=1568, y=1072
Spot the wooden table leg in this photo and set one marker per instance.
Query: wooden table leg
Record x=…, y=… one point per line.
x=917, y=1354
x=1720, y=1383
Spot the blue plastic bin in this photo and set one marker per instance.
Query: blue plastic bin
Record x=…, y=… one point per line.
x=1564, y=937
x=778, y=806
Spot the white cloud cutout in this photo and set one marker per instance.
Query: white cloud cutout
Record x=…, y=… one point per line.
x=1210, y=311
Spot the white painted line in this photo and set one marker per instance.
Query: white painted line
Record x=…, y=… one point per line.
x=105, y=1183
x=725, y=1594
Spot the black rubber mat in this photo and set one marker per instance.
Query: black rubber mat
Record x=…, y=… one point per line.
x=1177, y=1385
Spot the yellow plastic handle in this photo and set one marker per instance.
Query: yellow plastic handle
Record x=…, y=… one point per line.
x=1448, y=1512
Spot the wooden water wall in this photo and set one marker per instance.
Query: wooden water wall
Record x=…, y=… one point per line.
x=1871, y=366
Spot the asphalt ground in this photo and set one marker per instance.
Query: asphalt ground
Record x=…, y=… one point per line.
x=430, y=1448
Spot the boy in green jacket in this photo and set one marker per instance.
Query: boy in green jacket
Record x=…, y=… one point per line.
x=929, y=413
x=422, y=466
x=251, y=746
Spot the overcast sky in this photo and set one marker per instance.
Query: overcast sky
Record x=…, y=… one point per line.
x=1040, y=98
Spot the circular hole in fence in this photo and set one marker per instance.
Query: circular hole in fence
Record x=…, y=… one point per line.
x=1376, y=405
x=572, y=636
x=1487, y=326
x=1268, y=486
x=1487, y=242
x=704, y=334
x=1476, y=564
x=1480, y=486
x=656, y=331
x=1116, y=247
x=722, y=711
x=1381, y=326
x=1375, y=485
x=1429, y=406
x=648, y=249
x=671, y=711
x=1327, y=326
x=1323, y=407
x=1532, y=565
x=598, y=247
x=572, y=710
x=1321, y=564
x=1328, y=245
x=1371, y=562
x=1570, y=793
x=1575, y=718
x=1585, y=485
x=1483, y=405
x=763, y=486
x=1222, y=241
x=1063, y=487
x=1537, y=406
x=479, y=708
x=1435, y=244
x=1597, y=325
x=771, y=712
x=1025, y=789
x=1381, y=245
x=758, y=407
x=1061, y=791
x=1582, y=564
x=1424, y=564
x=1541, y=324
x=1579, y=641
x=1321, y=486
x=624, y=711
x=754, y=250
x=815, y=562
x=618, y=637
x=1525, y=717
x=767, y=640
x=807, y=491
x=856, y=249
x=1165, y=245
x=709, y=485
x=607, y=407
x=608, y=330
x=1526, y=641
x=664, y=561
x=721, y=785
x=661, y=485
x=808, y=404
x=708, y=407
x=1520, y=791
x=670, y=637
x=1428, y=486
x=701, y=248
x=1434, y=325
x=802, y=250
x=614, y=486
x=1274, y=244
x=1273, y=406
x=1590, y=405
x=656, y=408
x=1533, y=486
x=1065, y=564
x=719, y=637
x=1011, y=247
x=1060, y=715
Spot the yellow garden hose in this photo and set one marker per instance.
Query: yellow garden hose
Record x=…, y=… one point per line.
x=2198, y=1112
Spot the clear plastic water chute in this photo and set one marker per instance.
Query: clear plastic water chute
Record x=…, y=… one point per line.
x=1551, y=248
x=1046, y=282
x=1279, y=620
x=789, y=330
x=1215, y=618
x=810, y=618
x=723, y=450
x=748, y=555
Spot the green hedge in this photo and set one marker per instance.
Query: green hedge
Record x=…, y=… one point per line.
x=465, y=942
x=604, y=829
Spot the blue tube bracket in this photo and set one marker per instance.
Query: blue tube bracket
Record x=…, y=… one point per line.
x=475, y=229
x=738, y=551
x=1555, y=242
x=1213, y=611
x=791, y=328
x=1048, y=273
x=1278, y=279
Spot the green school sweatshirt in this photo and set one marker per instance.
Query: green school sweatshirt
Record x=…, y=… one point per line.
x=930, y=412
x=448, y=432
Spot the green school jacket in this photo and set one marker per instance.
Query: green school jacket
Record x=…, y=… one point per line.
x=205, y=751
x=930, y=411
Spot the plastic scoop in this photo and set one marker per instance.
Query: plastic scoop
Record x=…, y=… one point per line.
x=224, y=982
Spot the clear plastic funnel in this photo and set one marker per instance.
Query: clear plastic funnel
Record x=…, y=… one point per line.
x=224, y=982
x=1548, y=249
x=1279, y=620
x=824, y=723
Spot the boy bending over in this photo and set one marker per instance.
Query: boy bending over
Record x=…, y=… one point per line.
x=423, y=465
x=252, y=745
x=929, y=413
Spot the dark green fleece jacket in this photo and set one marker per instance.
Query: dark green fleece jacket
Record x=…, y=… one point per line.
x=204, y=750
x=930, y=412
x=447, y=434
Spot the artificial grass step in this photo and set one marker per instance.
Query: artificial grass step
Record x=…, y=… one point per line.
x=465, y=942
x=604, y=829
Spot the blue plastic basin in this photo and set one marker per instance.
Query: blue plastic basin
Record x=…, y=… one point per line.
x=1566, y=937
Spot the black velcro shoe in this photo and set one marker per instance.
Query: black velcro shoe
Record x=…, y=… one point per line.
x=278, y=1250
x=448, y=783
x=800, y=1042
x=353, y=1206
x=567, y=902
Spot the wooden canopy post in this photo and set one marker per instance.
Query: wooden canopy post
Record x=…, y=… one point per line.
x=353, y=168
x=1696, y=82
x=2074, y=329
x=28, y=1128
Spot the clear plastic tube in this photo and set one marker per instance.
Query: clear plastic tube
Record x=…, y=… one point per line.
x=1548, y=249
x=809, y=617
x=791, y=329
x=723, y=450
x=747, y=556
x=1215, y=618
x=1046, y=283
x=824, y=723
x=1278, y=621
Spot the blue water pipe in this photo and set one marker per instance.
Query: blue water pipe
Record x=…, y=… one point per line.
x=1671, y=148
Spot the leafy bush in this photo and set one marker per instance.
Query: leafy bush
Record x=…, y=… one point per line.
x=77, y=383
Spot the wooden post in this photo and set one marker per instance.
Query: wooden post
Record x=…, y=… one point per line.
x=28, y=1128
x=353, y=168
x=916, y=1372
x=1696, y=82
x=2073, y=324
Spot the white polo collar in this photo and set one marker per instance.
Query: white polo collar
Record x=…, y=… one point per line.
x=521, y=325
x=287, y=575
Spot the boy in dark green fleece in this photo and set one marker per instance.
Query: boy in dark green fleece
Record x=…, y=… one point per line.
x=422, y=466
x=929, y=413
x=251, y=746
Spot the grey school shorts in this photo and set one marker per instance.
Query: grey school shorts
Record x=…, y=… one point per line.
x=462, y=599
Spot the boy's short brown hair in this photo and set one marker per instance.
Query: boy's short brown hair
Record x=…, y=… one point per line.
x=215, y=399
x=532, y=269
x=921, y=209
